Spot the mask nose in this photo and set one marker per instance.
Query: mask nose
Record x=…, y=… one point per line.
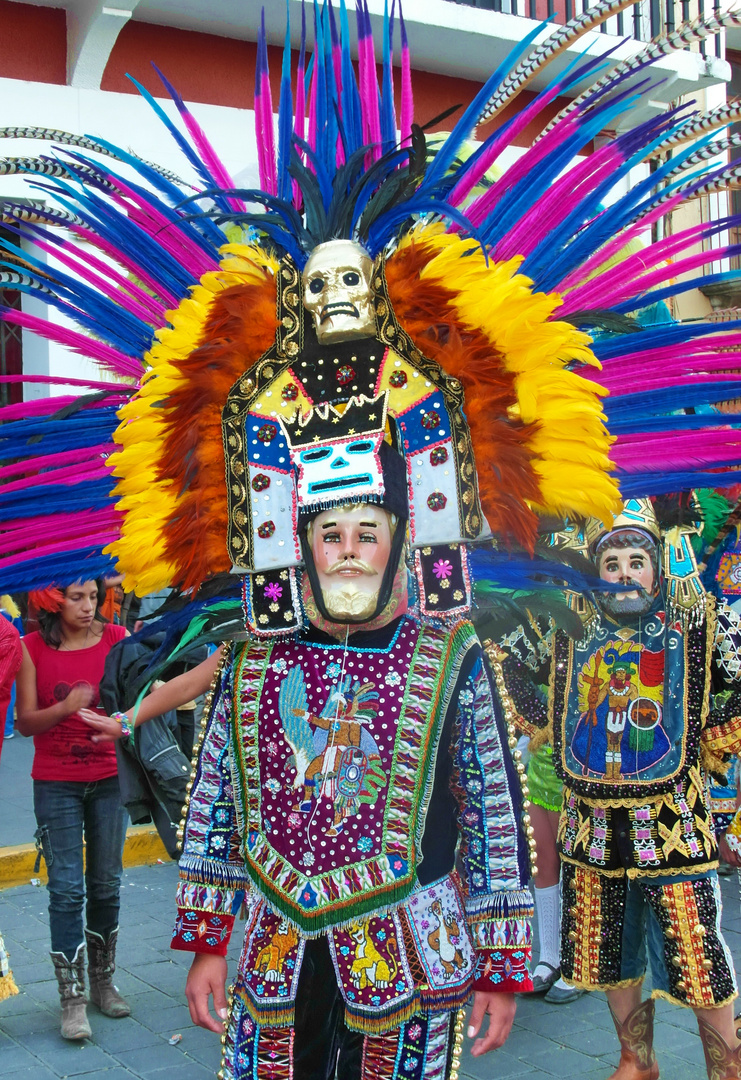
x=339, y=463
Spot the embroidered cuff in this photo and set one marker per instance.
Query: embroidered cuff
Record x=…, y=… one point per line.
x=724, y=738
x=505, y=971
x=202, y=931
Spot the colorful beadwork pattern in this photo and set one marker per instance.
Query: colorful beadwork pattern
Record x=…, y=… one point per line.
x=335, y=837
x=373, y=973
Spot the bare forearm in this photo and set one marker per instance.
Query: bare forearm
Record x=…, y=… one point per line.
x=177, y=692
x=36, y=721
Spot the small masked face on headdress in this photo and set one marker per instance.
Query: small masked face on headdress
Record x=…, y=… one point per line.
x=337, y=291
x=351, y=546
x=628, y=556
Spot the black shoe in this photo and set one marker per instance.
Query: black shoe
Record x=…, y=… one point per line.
x=541, y=984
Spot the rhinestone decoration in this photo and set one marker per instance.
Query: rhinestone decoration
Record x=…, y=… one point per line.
x=437, y=501
x=266, y=530
x=267, y=433
x=345, y=374
x=289, y=392
x=261, y=482
x=398, y=379
x=430, y=420
x=438, y=456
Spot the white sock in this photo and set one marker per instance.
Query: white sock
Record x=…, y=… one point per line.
x=549, y=931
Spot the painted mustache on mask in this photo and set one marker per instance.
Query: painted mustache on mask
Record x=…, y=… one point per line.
x=350, y=564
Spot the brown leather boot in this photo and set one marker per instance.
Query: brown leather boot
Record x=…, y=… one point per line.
x=636, y=1034
x=723, y=1062
x=71, y=978
x=101, y=965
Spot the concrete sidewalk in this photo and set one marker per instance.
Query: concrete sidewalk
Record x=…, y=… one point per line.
x=574, y=1040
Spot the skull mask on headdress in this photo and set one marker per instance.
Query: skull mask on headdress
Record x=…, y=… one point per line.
x=337, y=291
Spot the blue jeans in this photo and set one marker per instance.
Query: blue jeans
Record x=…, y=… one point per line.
x=65, y=811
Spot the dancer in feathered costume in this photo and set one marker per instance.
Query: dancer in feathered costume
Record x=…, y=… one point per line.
x=395, y=337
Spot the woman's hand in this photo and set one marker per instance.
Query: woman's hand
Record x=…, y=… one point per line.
x=106, y=728
x=79, y=697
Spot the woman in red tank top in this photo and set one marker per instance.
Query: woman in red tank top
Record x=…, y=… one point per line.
x=76, y=795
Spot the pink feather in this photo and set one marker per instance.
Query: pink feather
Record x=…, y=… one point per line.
x=407, y=95
x=50, y=461
x=112, y=359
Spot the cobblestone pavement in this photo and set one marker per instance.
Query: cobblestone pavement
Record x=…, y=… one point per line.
x=575, y=1040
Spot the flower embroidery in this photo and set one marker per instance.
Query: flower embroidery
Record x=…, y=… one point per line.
x=333, y=670
x=279, y=666
x=307, y=858
x=294, y=821
x=274, y=591
x=393, y=678
x=443, y=568
x=365, y=844
x=415, y=1031
x=272, y=785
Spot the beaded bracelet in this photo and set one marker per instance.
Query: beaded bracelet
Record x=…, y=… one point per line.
x=127, y=726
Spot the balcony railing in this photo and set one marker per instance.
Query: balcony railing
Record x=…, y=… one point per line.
x=646, y=19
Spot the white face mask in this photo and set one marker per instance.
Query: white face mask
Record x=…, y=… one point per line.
x=337, y=291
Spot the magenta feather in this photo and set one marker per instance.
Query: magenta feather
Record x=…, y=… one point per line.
x=151, y=303
x=369, y=93
x=599, y=293
x=481, y=207
x=100, y=537
x=264, y=116
x=112, y=359
x=66, y=474
x=159, y=290
x=672, y=450
x=52, y=461
x=557, y=202
x=299, y=120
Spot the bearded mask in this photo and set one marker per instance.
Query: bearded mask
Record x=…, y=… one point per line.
x=337, y=291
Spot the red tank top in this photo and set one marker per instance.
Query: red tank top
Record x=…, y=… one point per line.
x=66, y=751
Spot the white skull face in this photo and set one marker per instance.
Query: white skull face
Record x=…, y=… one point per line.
x=337, y=291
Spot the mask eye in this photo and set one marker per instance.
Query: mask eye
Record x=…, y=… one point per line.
x=361, y=447
x=350, y=277
x=316, y=455
x=316, y=285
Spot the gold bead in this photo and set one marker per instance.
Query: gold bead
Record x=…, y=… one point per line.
x=699, y=930
x=520, y=767
x=708, y=965
x=664, y=901
x=676, y=961
x=670, y=932
x=573, y=936
x=681, y=985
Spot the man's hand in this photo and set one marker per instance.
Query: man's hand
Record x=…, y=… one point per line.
x=501, y=1009
x=207, y=978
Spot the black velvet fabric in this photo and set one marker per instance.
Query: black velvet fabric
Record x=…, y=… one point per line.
x=324, y=1047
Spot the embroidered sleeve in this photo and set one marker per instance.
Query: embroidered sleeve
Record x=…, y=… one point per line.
x=494, y=864
x=212, y=875
x=532, y=710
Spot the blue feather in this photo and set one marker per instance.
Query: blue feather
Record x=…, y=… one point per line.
x=468, y=121
x=285, y=116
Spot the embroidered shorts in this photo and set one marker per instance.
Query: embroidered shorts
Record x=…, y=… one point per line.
x=612, y=927
x=421, y=1048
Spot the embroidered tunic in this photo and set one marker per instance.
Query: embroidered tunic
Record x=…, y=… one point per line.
x=333, y=789
x=642, y=779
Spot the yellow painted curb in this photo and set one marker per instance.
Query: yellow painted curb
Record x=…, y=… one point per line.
x=142, y=848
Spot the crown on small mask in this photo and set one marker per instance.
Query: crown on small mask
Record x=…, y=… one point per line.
x=362, y=418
